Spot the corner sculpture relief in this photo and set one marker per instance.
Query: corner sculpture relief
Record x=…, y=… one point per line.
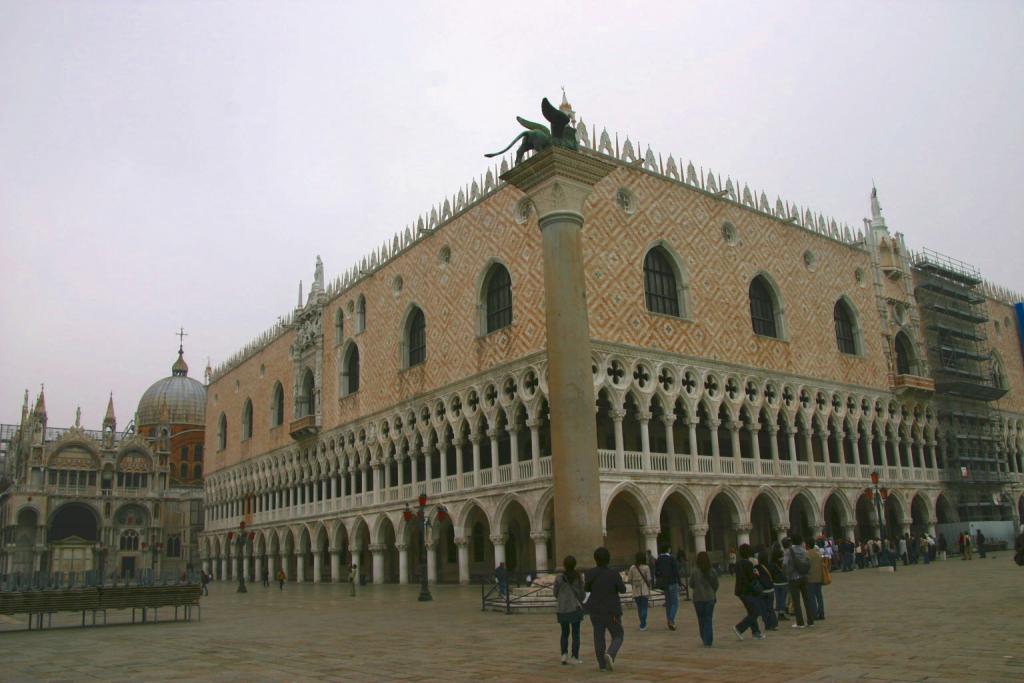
x=537, y=137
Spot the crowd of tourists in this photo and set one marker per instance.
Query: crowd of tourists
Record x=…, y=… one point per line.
x=779, y=583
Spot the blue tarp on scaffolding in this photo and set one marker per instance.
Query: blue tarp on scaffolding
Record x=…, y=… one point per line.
x=1019, y=307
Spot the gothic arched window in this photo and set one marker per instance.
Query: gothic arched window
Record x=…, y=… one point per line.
x=247, y=420
x=904, y=355
x=222, y=432
x=416, y=338
x=277, y=406
x=498, y=298
x=846, y=330
x=307, y=399
x=361, y=314
x=763, y=309
x=660, y=287
x=350, y=371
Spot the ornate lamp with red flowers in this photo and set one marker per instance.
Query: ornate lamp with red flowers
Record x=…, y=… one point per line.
x=441, y=513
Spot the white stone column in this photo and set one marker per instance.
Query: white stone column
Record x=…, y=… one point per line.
x=691, y=425
x=442, y=453
x=854, y=438
x=499, y=548
x=364, y=477
x=377, y=549
x=462, y=543
x=734, y=439
x=540, y=549
x=225, y=561
x=791, y=442
x=645, y=440
x=716, y=450
x=459, y=442
x=475, y=440
x=401, y=470
x=620, y=448
x=495, y=454
x=413, y=455
x=513, y=447
x=743, y=534
x=428, y=466
x=670, y=438
x=316, y=567
x=300, y=567
x=651, y=539
x=431, y=562
x=700, y=532
x=534, y=426
x=403, y=563
x=272, y=566
x=335, y=564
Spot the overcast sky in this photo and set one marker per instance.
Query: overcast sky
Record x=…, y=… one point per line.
x=183, y=163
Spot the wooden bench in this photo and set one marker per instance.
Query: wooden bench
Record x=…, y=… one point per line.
x=36, y=604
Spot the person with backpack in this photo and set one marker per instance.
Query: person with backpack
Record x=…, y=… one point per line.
x=640, y=582
x=667, y=577
x=568, y=590
x=703, y=589
x=815, y=580
x=779, y=580
x=796, y=566
x=604, y=585
x=748, y=590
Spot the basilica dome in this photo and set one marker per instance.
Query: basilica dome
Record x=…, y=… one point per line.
x=183, y=398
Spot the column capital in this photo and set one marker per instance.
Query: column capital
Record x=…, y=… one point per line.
x=533, y=422
x=540, y=536
x=401, y=547
x=744, y=528
x=644, y=416
x=699, y=529
x=461, y=541
x=558, y=180
x=617, y=415
x=651, y=530
x=499, y=539
x=376, y=548
x=668, y=418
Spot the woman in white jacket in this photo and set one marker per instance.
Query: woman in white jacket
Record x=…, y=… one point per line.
x=640, y=582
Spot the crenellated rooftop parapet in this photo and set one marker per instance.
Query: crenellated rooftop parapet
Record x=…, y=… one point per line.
x=1000, y=293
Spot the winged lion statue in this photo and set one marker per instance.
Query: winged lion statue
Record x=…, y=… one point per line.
x=538, y=137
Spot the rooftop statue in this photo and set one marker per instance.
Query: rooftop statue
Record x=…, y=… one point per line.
x=537, y=137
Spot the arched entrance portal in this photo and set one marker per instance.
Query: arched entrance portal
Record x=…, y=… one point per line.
x=801, y=518
x=835, y=517
x=72, y=536
x=515, y=524
x=867, y=518
x=676, y=521
x=723, y=518
x=623, y=535
x=764, y=518
x=919, y=517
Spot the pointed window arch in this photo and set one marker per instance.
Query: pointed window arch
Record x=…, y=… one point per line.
x=905, y=360
x=661, y=283
x=277, y=406
x=183, y=470
x=416, y=338
x=222, y=432
x=846, y=327
x=197, y=471
x=350, y=370
x=765, y=313
x=307, y=396
x=339, y=326
x=361, y=314
x=247, y=420
x=497, y=298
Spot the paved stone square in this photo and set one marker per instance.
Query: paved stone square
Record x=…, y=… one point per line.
x=952, y=621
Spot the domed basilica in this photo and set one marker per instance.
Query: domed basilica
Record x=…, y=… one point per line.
x=122, y=503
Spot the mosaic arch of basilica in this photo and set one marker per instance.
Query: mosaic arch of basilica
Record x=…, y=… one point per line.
x=753, y=364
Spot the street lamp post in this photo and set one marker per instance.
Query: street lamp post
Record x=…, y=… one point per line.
x=240, y=545
x=424, y=523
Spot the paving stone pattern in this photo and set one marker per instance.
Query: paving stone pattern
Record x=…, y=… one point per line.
x=952, y=621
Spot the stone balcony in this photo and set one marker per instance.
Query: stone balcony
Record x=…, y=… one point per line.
x=903, y=385
x=304, y=427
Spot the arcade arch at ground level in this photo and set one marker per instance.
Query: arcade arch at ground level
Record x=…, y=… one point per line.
x=516, y=528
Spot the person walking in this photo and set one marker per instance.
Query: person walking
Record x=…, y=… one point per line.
x=703, y=585
x=568, y=590
x=815, y=579
x=796, y=566
x=903, y=550
x=667, y=577
x=764, y=572
x=967, y=546
x=779, y=580
x=640, y=583
x=266, y=578
x=205, y=578
x=981, y=544
x=748, y=590
x=281, y=578
x=960, y=542
x=605, y=585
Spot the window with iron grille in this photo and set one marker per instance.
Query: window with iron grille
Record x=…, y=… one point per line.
x=417, y=338
x=844, y=328
x=660, y=284
x=499, y=298
x=762, y=308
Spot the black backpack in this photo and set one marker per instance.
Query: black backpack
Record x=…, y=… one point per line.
x=802, y=565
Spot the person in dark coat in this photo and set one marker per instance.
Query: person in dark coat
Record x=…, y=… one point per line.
x=748, y=590
x=667, y=578
x=605, y=585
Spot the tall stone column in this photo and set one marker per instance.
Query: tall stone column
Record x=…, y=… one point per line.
x=700, y=537
x=540, y=549
x=403, y=563
x=377, y=549
x=498, y=540
x=431, y=562
x=462, y=546
x=316, y=567
x=335, y=565
x=558, y=182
